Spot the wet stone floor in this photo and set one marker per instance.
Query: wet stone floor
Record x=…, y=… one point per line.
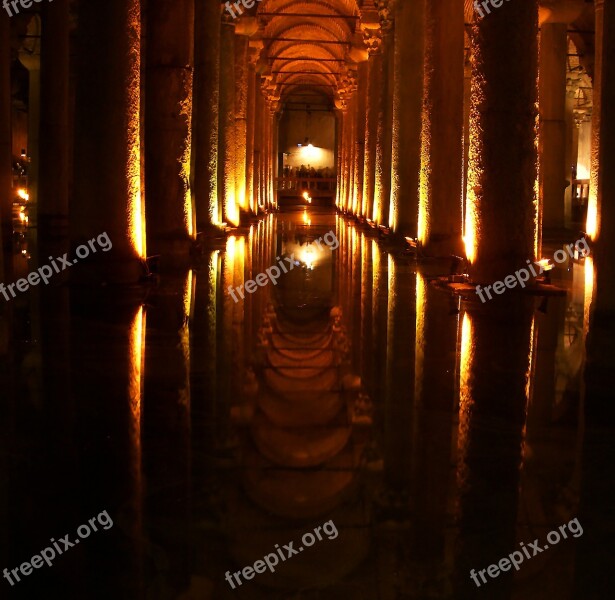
x=344, y=430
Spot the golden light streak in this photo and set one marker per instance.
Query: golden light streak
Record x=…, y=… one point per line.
x=189, y=290
x=419, y=348
x=465, y=394
x=591, y=225
x=136, y=208
x=185, y=161
x=23, y=194
x=590, y=280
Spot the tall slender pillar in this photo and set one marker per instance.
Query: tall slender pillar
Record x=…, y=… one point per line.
x=107, y=192
x=373, y=40
x=359, y=141
x=54, y=130
x=406, y=128
x=552, y=103
x=501, y=216
x=226, y=153
x=258, y=146
x=241, y=124
x=440, y=210
x=206, y=98
x=168, y=122
x=384, y=138
x=251, y=118
x=6, y=180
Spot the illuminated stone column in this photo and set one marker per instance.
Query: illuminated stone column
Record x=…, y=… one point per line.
x=258, y=146
x=251, y=194
x=206, y=100
x=54, y=130
x=384, y=138
x=241, y=123
x=440, y=210
x=602, y=128
x=373, y=41
x=107, y=190
x=407, y=122
x=501, y=218
x=359, y=141
x=552, y=105
x=226, y=135
x=6, y=179
x=168, y=123
x=339, y=193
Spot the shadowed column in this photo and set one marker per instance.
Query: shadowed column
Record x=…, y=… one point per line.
x=440, y=216
x=501, y=219
x=107, y=193
x=168, y=121
x=206, y=99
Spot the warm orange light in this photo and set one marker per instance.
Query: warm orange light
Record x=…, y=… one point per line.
x=185, y=161
x=588, y=292
x=591, y=225
x=23, y=195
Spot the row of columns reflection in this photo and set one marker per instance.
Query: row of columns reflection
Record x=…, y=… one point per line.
x=441, y=477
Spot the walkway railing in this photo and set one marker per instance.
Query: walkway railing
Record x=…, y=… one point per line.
x=315, y=186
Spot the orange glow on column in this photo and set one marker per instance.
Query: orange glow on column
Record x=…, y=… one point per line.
x=591, y=226
x=186, y=111
x=136, y=207
x=588, y=292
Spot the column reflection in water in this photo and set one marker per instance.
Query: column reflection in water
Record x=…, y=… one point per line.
x=437, y=324
x=494, y=372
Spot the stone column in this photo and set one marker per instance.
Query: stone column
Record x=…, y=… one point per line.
x=107, y=192
x=407, y=122
x=440, y=210
x=251, y=118
x=359, y=141
x=501, y=213
x=382, y=183
x=54, y=130
x=206, y=98
x=6, y=179
x=226, y=146
x=598, y=176
x=373, y=40
x=552, y=102
x=168, y=122
x=241, y=123
x=258, y=146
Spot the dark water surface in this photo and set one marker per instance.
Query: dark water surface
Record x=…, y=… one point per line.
x=430, y=435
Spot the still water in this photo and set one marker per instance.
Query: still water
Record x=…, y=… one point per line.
x=431, y=434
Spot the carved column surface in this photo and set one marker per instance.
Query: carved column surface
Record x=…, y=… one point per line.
x=359, y=141
x=440, y=217
x=251, y=119
x=241, y=125
x=168, y=124
x=205, y=129
x=382, y=178
x=107, y=193
x=501, y=223
x=407, y=122
x=373, y=41
x=226, y=144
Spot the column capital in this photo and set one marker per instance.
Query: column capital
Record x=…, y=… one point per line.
x=386, y=15
x=373, y=40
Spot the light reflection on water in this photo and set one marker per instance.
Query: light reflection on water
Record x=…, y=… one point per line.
x=403, y=398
